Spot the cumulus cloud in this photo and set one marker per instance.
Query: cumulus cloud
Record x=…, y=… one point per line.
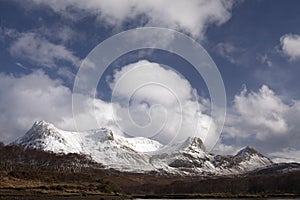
x=32, y=97
x=142, y=72
x=192, y=16
x=161, y=103
x=264, y=120
x=290, y=45
x=263, y=110
x=40, y=51
x=28, y=98
x=262, y=116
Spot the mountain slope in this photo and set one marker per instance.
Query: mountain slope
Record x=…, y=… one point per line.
x=102, y=145
x=246, y=160
x=141, y=154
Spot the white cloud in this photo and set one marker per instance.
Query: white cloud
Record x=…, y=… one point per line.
x=32, y=97
x=264, y=120
x=263, y=110
x=290, y=44
x=287, y=155
x=263, y=115
x=28, y=98
x=159, y=98
x=142, y=72
x=192, y=16
x=40, y=51
x=66, y=73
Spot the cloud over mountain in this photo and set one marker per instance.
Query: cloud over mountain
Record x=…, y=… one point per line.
x=31, y=97
x=162, y=104
x=264, y=119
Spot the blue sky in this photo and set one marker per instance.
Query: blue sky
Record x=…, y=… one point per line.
x=254, y=43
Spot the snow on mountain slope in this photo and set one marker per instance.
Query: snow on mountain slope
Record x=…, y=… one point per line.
x=184, y=158
x=102, y=145
x=246, y=160
x=141, y=154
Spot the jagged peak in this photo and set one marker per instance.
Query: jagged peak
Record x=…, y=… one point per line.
x=194, y=142
x=42, y=124
x=40, y=129
x=247, y=150
x=125, y=153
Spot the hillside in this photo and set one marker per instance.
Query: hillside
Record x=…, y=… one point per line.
x=29, y=172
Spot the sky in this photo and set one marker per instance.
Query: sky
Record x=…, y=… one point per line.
x=255, y=45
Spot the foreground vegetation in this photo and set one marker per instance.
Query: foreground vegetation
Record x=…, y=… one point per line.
x=29, y=172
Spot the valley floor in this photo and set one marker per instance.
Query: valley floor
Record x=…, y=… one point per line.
x=114, y=185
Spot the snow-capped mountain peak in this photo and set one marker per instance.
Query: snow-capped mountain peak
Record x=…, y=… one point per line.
x=101, y=145
x=194, y=143
x=140, y=154
x=248, y=150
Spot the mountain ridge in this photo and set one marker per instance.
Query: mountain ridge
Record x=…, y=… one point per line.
x=141, y=154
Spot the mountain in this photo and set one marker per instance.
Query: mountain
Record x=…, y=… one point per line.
x=141, y=154
x=246, y=160
x=113, y=151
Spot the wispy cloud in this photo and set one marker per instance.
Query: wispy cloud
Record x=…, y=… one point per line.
x=228, y=51
x=41, y=52
x=265, y=60
x=191, y=16
x=286, y=155
x=8, y=32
